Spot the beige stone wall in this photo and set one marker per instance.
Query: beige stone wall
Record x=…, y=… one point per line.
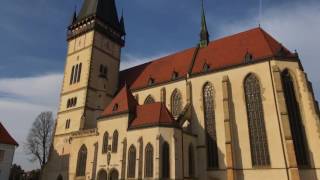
x=102, y=90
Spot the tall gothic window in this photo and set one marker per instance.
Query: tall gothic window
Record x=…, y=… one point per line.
x=176, y=103
x=82, y=161
x=165, y=160
x=149, y=100
x=76, y=73
x=191, y=160
x=105, y=142
x=257, y=130
x=149, y=161
x=296, y=125
x=210, y=127
x=115, y=141
x=131, y=162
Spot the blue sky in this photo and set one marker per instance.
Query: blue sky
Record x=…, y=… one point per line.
x=33, y=48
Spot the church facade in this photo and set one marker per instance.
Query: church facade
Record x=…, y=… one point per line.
x=236, y=108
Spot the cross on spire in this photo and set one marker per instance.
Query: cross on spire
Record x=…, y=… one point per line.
x=204, y=34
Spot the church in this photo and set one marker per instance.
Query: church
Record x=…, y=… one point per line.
x=236, y=108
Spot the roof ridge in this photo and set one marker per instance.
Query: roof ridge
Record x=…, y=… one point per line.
x=264, y=34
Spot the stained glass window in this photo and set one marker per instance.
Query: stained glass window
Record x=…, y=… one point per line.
x=131, y=162
x=149, y=161
x=82, y=161
x=296, y=125
x=210, y=127
x=257, y=130
x=176, y=103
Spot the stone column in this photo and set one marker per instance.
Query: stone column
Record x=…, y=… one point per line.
x=284, y=119
x=227, y=126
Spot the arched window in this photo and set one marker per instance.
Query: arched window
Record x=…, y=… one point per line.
x=165, y=160
x=132, y=162
x=115, y=141
x=176, y=103
x=210, y=127
x=105, y=142
x=191, y=160
x=296, y=125
x=149, y=161
x=149, y=100
x=257, y=130
x=82, y=161
x=114, y=175
x=102, y=175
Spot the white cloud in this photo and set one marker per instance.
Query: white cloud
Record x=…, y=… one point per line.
x=42, y=90
x=21, y=100
x=297, y=26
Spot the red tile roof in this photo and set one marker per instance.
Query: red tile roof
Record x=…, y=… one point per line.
x=123, y=102
x=222, y=53
x=155, y=114
x=5, y=137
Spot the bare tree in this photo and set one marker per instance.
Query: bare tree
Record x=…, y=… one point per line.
x=40, y=137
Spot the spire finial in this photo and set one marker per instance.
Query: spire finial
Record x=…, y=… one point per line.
x=74, y=16
x=204, y=35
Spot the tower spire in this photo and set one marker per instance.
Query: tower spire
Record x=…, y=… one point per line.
x=122, y=26
x=204, y=34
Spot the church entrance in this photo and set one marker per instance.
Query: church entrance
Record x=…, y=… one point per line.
x=114, y=175
x=102, y=175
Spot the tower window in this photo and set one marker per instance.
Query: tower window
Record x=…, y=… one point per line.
x=75, y=73
x=103, y=71
x=72, y=102
x=105, y=142
x=68, y=124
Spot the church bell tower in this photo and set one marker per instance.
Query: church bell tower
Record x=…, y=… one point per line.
x=95, y=38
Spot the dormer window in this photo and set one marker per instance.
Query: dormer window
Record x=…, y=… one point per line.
x=175, y=75
x=206, y=67
x=248, y=58
x=115, y=107
x=151, y=81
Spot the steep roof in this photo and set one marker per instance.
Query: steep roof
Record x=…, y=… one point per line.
x=5, y=137
x=219, y=54
x=105, y=10
x=123, y=102
x=155, y=114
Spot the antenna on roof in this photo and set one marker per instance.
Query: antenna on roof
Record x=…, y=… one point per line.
x=260, y=13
